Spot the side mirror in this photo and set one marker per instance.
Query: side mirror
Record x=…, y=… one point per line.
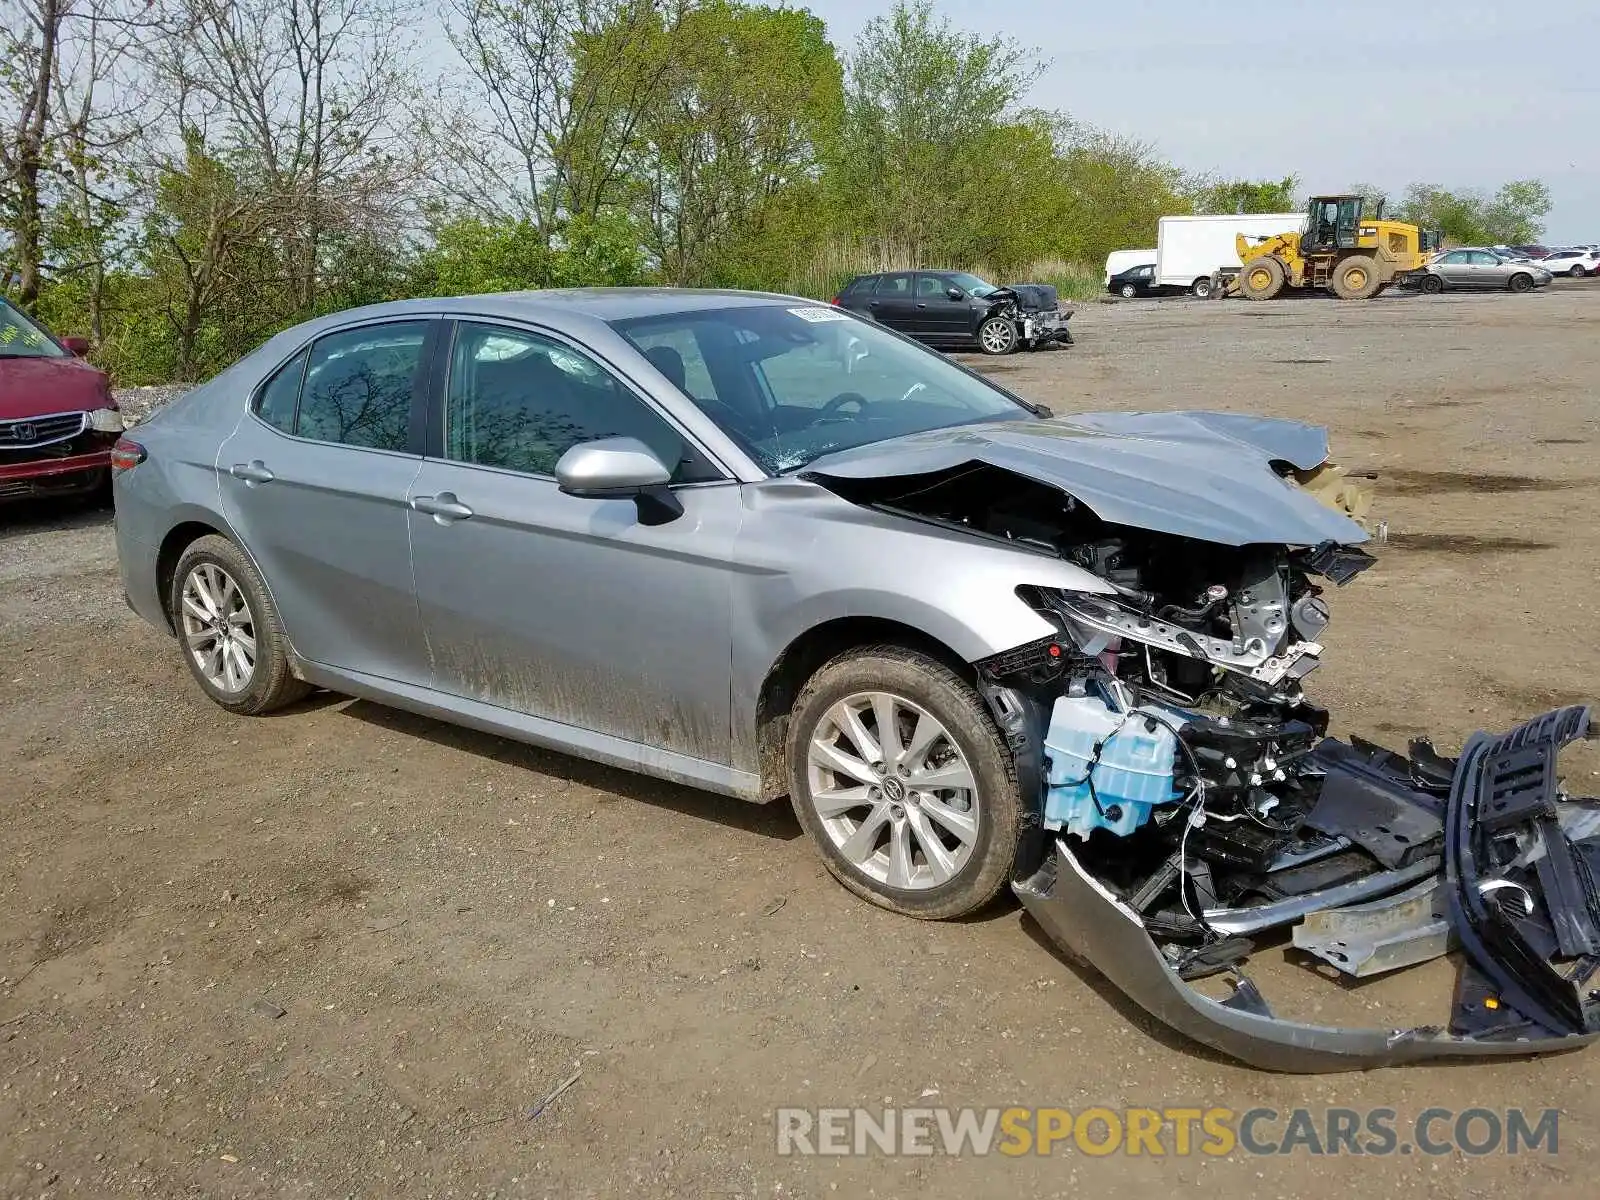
x=955, y=293
x=619, y=468
x=78, y=346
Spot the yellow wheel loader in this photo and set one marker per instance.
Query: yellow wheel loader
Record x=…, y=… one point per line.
x=1341, y=250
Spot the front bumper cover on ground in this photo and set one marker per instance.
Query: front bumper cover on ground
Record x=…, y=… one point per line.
x=1515, y=957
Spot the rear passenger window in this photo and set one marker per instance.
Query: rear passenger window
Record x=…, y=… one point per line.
x=359, y=383
x=276, y=403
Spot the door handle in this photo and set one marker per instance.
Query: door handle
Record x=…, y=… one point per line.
x=443, y=508
x=253, y=472
x=921, y=305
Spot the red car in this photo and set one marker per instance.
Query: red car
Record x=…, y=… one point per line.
x=58, y=419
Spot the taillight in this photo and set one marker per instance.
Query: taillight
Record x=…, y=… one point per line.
x=126, y=455
x=834, y=301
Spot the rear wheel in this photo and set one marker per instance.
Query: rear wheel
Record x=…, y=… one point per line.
x=1520, y=282
x=1355, y=278
x=1261, y=279
x=1431, y=284
x=997, y=335
x=232, y=640
x=901, y=778
x=1577, y=271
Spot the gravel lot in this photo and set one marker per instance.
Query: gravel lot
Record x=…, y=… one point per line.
x=453, y=925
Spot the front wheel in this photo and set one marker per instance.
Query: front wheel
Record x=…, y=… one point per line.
x=1129, y=291
x=902, y=781
x=1201, y=289
x=1262, y=279
x=1577, y=271
x=1520, y=282
x=997, y=336
x=1431, y=284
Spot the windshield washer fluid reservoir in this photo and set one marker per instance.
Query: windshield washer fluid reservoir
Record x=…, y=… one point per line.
x=1108, y=768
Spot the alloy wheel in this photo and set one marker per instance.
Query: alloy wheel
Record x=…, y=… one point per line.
x=895, y=793
x=218, y=628
x=997, y=337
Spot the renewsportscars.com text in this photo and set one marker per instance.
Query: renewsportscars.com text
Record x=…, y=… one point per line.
x=1160, y=1132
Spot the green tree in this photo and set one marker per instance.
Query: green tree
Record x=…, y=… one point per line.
x=924, y=105
x=1219, y=196
x=749, y=97
x=1512, y=215
x=1114, y=191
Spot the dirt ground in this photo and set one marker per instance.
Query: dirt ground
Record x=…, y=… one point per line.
x=453, y=925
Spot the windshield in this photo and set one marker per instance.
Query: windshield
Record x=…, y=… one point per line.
x=972, y=285
x=790, y=384
x=22, y=338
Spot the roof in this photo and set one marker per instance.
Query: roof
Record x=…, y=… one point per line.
x=604, y=304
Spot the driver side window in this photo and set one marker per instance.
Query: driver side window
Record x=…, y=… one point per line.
x=931, y=287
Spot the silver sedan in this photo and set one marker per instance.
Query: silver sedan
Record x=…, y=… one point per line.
x=1472, y=268
x=750, y=543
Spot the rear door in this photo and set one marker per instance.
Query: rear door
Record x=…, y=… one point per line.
x=857, y=294
x=570, y=609
x=315, y=481
x=893, y=304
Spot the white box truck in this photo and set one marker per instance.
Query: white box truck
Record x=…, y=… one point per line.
x=1190, y=249
x=1119, y=261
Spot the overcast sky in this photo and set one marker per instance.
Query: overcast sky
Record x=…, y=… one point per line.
x=1460, y=93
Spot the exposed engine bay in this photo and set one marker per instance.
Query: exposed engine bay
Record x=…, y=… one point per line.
x=1035, y=309
x=1191, y=802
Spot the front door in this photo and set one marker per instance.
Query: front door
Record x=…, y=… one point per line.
x=573, y=610
x=315, y=481
x=942, y=318
x=1454, y=268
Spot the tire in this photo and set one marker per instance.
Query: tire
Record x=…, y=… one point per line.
x=1200, y=289
x=1432, y=285
x=858, y=841
x=1129, y=291
x=1577, y=271
x=1261, y=279
x=1355, y=278
x=997, y=336
x=204, y=571
x=1520, y=282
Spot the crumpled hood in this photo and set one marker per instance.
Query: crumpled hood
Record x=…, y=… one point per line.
x=1193, y=474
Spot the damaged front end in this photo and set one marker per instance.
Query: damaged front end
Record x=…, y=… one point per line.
x=1195, y=806
x=1035, y=310
x=1191, y=805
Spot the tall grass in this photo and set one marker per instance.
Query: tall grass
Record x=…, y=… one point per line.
x=836, y=260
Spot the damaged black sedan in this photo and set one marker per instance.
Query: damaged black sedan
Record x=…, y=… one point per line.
x=955, y=310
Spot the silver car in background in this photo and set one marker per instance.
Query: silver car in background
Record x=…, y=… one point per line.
x=1472, y=267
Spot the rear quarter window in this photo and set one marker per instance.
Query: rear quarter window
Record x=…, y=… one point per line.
x=276, y=403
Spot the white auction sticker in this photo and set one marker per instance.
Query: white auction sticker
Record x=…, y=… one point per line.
x=818, y=314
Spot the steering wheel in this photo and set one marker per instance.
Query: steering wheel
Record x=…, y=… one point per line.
x=843, y=398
